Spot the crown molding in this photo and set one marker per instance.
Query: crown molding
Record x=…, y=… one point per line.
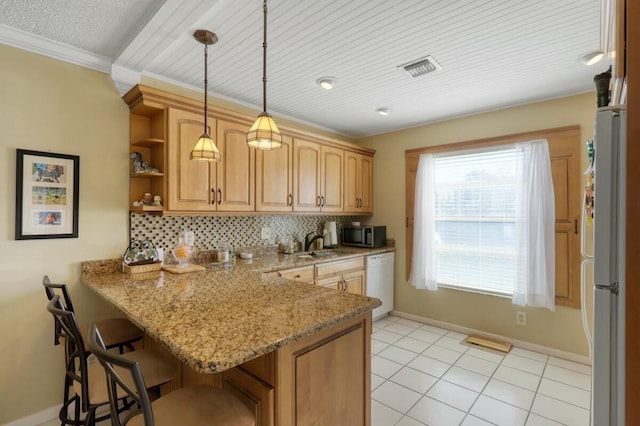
x=43, y=46
x=124, y=78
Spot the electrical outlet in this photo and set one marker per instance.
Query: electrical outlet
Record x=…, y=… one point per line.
x=521, y=318
x=266, y=233
x=189, y=237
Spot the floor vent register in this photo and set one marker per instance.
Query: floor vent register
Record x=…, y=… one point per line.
x=489, y=343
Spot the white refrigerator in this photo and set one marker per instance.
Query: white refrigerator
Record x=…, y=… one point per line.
x=609, y=261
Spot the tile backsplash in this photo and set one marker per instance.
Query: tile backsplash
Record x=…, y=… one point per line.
x=238, y=231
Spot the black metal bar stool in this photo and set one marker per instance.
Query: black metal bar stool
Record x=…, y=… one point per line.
x=89, y=380
x=189, y=406
x=119, y=333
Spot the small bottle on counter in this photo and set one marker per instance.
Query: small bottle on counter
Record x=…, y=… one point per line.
x=320, y=243
x=223, y=253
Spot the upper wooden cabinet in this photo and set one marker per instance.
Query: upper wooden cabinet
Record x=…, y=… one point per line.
x=307, y=174
x=235, y=190
x=274, y=178
x=358, y=183
x=227, y=185
x=191, y=185
x=317, y=177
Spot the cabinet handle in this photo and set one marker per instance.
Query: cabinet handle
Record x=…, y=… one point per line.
x=219, y=196
x=290, y=200
x=297, y=276
x=575, y=226
x=213, y=195
x=318, y=202
x=360, y=201
x=322, y=205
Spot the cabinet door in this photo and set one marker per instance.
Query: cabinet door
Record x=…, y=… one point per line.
x=274, y=178
x=366, y=184
x=351, y=182
x=306, y=176
x=331, y=282
x=190, y=184
x=331, y=179
x=235, y=173
x=354, y=282
x=358, y=187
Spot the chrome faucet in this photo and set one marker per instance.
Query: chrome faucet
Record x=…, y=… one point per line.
x=308, y=241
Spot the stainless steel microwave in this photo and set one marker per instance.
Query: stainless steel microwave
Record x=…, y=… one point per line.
x=364, y=236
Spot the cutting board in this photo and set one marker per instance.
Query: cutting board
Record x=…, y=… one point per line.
x=175, y=270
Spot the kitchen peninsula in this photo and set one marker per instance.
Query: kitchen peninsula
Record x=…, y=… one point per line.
x=295, y=353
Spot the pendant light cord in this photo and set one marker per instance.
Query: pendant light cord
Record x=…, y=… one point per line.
x=264, y=60
x=206, y=81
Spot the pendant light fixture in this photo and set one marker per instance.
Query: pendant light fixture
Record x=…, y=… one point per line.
x=264, y=133
x=205, y=149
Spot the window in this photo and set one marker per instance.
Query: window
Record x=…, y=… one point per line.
x=485, y=221
x=565, y=153
x=475, y=215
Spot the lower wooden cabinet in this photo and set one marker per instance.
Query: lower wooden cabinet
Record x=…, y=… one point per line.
x=323, y=379
x=345, y=275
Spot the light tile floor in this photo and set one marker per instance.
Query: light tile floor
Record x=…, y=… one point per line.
x=425, y=375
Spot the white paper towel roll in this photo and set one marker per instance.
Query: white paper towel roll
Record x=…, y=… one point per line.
x=332, y=236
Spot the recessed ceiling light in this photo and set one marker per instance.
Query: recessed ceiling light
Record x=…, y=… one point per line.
x=592, y=58
x=383, y=110
x=327, y=83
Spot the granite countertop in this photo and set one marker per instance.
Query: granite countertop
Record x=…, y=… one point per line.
x=217, y=319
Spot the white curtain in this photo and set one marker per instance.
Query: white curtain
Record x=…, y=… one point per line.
x=535, y=227
x=423, y=274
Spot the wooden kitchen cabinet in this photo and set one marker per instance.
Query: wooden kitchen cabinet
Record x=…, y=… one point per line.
x=227, y=185
x=358, y=182
x=191, y=184
x=306, y=175
x=236, y=170
x=317, y=177
x=274, y=178
x=147, y=136
x=344, y=275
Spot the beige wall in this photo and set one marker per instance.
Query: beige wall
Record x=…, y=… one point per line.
x=48, y=105
x=561, y=330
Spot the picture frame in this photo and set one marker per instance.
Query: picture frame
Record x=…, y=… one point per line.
x=47, y=187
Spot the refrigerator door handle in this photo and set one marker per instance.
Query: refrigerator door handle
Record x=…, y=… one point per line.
x=613, y=288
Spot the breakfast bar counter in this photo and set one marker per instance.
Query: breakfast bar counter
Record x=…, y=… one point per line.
x=298, y=353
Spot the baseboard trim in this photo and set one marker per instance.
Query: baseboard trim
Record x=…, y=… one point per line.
x=515, y=342
x=44, y=416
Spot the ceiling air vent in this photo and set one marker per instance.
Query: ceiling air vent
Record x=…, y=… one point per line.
x=421, y=66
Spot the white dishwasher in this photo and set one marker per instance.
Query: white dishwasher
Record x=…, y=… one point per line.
x=380, y=281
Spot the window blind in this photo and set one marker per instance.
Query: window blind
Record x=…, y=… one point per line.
x=474, y=212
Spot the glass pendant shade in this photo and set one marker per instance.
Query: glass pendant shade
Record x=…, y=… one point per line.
x=205, y=149
x=264, y=133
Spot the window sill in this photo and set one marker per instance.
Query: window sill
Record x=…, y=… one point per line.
x=477, y=291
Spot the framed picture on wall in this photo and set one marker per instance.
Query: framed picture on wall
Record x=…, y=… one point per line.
x=46, y=195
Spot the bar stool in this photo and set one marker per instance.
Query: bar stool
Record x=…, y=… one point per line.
x=88, y=380
x=118, y=332
x=190, y=406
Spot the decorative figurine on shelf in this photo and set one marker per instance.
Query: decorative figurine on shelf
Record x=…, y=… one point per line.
x=140, y=166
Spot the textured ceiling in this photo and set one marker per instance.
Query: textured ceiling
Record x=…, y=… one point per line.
x=493, y=53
